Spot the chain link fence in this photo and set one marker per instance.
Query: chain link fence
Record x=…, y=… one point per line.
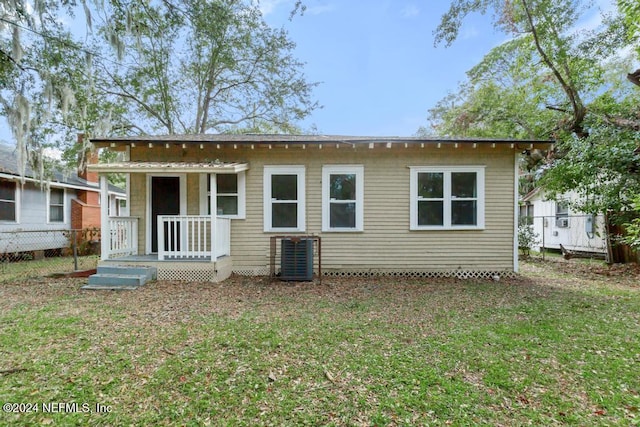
x=38, y=253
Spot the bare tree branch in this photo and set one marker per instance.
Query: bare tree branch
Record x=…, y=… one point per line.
x=634, y=77
x=579, y=111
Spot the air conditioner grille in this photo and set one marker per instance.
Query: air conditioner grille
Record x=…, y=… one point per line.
x=296, y=259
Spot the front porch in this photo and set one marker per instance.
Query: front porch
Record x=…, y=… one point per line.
x=189, y=247
x=178, y=222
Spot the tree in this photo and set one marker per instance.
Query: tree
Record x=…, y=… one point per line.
x=159, y=66
x=545, y=28
x=503, y=96
x=551, y=80
x=201, y=66
x=46, y=81
x=630, y=9
x=34, y=95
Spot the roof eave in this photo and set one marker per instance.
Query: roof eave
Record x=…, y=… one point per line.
x=169, y=167
x=373, y=142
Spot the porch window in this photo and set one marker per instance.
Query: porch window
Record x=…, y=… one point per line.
x=284, y=198
x=342, y=198
x=56, y=205
x=8, y=201
x=230, y=195
x=447, y=198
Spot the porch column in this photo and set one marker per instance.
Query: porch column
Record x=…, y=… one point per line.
x=105, y=232
x=213, y=200
x=127, y=189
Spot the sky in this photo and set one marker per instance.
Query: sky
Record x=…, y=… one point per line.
x=375, y=61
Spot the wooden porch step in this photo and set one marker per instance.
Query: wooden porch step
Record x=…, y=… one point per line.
x=120, y=278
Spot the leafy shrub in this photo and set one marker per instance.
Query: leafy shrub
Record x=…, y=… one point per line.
x=527, y=238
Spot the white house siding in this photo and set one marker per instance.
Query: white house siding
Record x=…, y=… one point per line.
x=31, y=231
x=386, y=244
x=574, y=237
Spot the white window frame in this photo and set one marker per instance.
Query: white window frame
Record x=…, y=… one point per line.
x=300, y=172
x=562, y=214
x=327, y=171
x=64, y=203
x=447, y=199
x=16, y=204
x=242, y=198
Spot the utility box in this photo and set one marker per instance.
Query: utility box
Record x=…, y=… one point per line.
x=296, y=259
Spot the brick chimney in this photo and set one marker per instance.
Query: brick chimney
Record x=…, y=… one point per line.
x=86, y=157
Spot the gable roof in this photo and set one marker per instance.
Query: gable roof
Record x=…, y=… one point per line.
x=9, y=167
x=531, y=194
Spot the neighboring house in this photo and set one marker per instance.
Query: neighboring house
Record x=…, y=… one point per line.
x=400, y=206
x=556, y=224
x=35, y=215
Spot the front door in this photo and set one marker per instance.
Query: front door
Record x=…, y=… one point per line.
x=165, y=200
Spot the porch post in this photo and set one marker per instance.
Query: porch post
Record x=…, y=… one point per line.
x=213, y=204
x=105, y=232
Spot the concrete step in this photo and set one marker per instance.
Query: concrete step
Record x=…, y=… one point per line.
x=97, y=287
x=149, y=272
x=120, y=277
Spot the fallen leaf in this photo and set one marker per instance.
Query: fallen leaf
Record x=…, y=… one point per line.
x=329, y=376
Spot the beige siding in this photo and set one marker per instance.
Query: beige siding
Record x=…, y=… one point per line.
x=138, y=205
x=386, y=242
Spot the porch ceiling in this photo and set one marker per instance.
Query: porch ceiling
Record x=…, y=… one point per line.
x=175, y=167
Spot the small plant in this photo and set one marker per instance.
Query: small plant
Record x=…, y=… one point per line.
x=527, y=238
x=632, y=236
x=86, y=240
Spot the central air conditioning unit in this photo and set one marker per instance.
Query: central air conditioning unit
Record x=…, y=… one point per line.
x=296, y=259
x=562, y=222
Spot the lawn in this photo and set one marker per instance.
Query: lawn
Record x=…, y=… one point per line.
x=12, y=271
x=559, y=345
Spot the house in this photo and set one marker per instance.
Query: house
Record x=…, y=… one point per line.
x=399, y=206
x=555, y=224
x=36, y=215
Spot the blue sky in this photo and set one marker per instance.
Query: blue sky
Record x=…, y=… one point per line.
x=378, y=69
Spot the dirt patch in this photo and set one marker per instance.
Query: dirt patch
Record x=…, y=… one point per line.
x=166, y=302
x=596, y=272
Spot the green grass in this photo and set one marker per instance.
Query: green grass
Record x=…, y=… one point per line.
x=550, y=348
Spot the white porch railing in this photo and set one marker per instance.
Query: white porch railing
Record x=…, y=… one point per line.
x=189, y=237
x=123, y=236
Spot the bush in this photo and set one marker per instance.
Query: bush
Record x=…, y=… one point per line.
x=526, y=239
x=86, y=240
x=632, y=235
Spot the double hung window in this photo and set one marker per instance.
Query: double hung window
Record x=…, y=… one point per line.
x=230, y=195
x=56, y=205
x=447, y=198
x=7, y=201
x=284, y=198
x=342, y=198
